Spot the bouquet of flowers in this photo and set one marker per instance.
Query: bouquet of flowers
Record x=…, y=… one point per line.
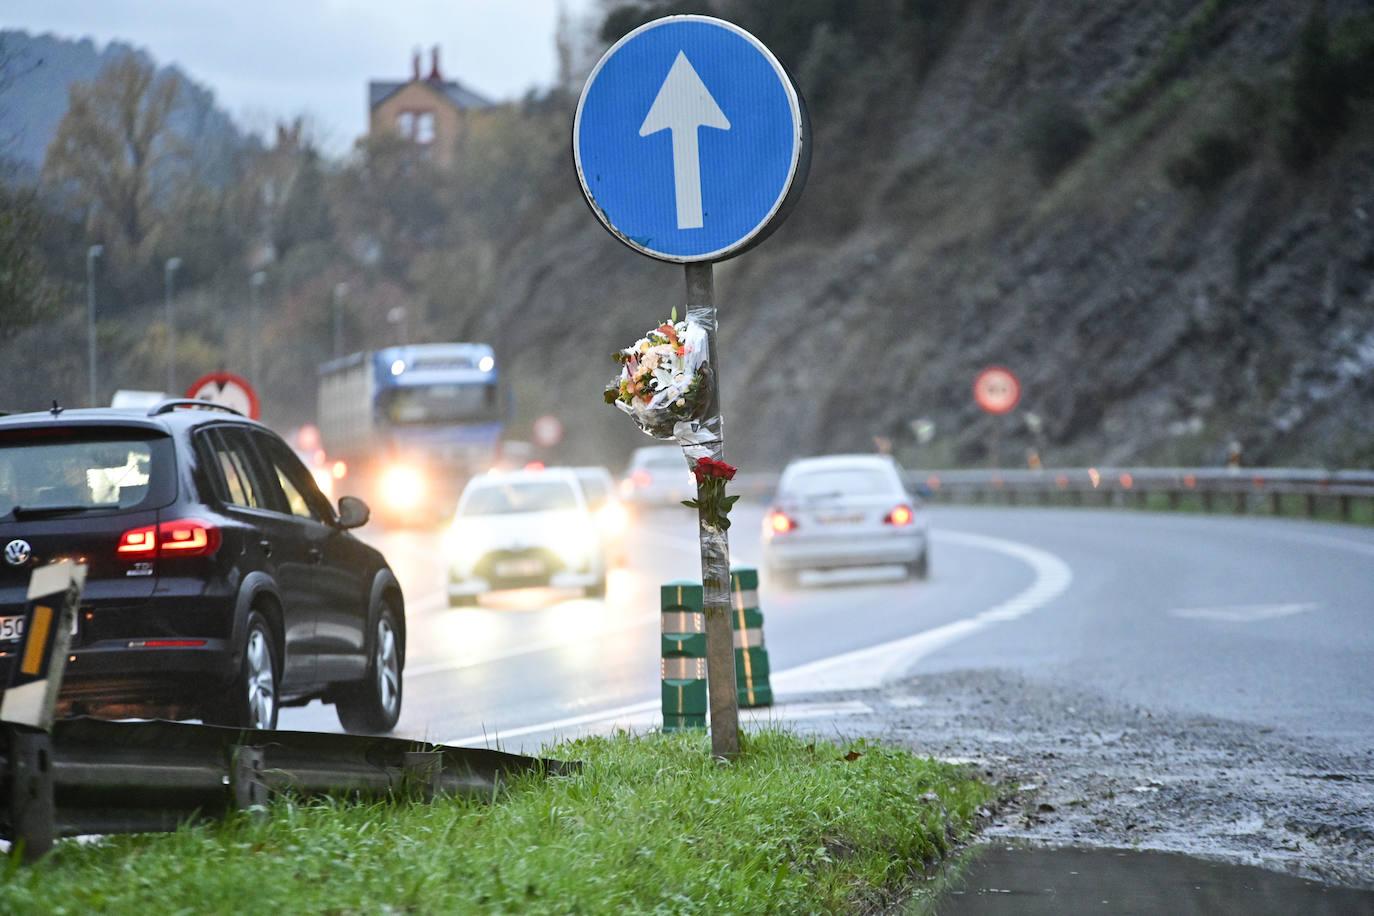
x=664, y=378
x=711, y=476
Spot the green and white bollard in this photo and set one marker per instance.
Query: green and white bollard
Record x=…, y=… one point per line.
x=683, y=665
x=751, y=658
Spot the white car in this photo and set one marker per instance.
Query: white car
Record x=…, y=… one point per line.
x=612, y=518
x=843, y=511
x=523, y=529
x=658, y=476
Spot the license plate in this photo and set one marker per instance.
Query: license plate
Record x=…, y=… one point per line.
x=12, y=628
x=840, y=519
x=511, y=569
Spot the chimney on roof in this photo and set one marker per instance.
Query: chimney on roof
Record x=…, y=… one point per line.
x=415, y=64
x=434, y=73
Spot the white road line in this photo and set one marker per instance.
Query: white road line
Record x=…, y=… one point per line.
x=869, y=667
x=609, y=716
x=646, y=715
x=1242, y=613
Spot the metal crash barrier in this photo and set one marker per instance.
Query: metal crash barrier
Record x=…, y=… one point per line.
x=1312, y=493
x=82, y=776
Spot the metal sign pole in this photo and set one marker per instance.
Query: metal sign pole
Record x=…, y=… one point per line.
x=715, y=549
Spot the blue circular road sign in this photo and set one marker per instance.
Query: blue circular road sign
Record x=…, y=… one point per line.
x=690, y=140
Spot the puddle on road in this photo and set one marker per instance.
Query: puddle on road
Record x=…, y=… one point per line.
x=997, y=880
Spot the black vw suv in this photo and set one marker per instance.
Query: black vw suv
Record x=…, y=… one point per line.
x=221, y=583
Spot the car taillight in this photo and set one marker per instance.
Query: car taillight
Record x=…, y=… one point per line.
x=900, y=516
x=641, y=479
x=138, y=543
x=187, y=537
x=183, y=537
x=781, y=523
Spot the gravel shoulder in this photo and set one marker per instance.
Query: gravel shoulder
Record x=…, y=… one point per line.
x=1079, y=769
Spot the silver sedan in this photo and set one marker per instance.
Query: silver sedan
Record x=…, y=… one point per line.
x=844, y=511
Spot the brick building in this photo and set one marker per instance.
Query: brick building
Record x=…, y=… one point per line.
x=426, y=109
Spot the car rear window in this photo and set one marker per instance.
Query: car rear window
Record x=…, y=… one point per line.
x=663, y=461
x=84, y=469
x=842, y=482
x=506, y=498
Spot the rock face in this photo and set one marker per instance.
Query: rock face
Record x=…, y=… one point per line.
x=1151, y=316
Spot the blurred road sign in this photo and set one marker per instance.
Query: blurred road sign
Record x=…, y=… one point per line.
x=548, y=431
x=690, y=140
x=227, y=389
x=996, y=390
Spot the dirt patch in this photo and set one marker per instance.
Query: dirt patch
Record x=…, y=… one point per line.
x=1083, y=770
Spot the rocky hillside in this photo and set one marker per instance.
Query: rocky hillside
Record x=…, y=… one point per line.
x=38, y=71
x=1112, y=198
x=1160, y=215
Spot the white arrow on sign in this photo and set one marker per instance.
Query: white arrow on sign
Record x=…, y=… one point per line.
x=682, y=105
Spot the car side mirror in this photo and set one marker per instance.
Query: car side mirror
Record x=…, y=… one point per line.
x=353, y=512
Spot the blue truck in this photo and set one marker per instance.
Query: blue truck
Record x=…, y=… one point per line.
x=412, y=424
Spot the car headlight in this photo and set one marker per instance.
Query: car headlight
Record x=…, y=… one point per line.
x=463, y=547
x=403, y=486
x=574, y=544
x=612, y=519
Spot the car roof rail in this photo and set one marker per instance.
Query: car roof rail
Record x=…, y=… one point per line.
x=172, y=404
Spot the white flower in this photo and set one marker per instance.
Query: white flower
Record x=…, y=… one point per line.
x=664, y=378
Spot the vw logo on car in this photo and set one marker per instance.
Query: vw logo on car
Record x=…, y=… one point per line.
x=17, y=552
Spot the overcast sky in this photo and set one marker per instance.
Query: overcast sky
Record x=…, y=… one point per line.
x=266, y=59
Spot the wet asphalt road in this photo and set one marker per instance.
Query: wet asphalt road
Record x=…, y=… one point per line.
x=1258, y=621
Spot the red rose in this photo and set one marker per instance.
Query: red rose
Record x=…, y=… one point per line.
x=709, y=467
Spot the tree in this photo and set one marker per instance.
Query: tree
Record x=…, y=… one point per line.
x=26, y=292
x=1319, y=92
x=112, y=152
x=304, y=215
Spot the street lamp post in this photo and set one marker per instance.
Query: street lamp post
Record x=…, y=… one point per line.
x=168, y=276
x=340, y=290
x=400, y=317
x=92, y=253
x=255, y=283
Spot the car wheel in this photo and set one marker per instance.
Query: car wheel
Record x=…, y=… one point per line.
x=921, y=568
x=252, y=698
x=374, y=705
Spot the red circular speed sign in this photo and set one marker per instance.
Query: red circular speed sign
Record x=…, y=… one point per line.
x=996, y=390
x=227, y=389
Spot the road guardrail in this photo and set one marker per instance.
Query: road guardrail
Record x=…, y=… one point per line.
x=1278, y=491
x=79, y=776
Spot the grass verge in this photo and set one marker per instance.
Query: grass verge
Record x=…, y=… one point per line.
x=651, y=824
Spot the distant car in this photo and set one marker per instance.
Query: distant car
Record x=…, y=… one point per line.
x=658, y=476
x=221, y=583
x=523, y=529
x=844, y=511
x=612, y=518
